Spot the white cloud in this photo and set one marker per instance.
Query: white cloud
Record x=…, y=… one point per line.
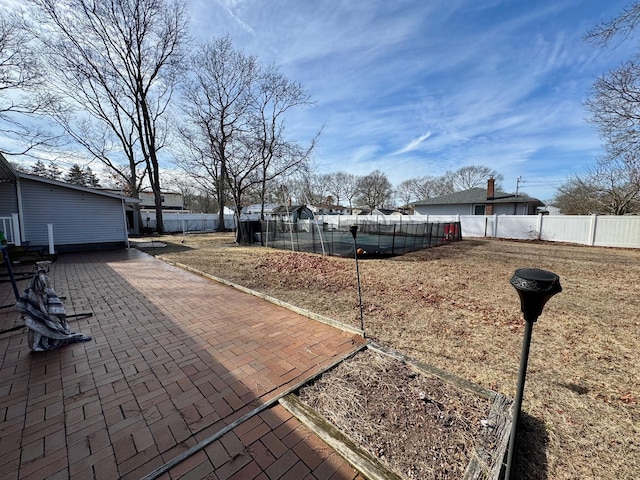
x=413, y=144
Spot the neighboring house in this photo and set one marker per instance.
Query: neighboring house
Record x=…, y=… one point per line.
x=376, y=211
x=274, y=211
x=479, y=201
x=549, y=210
x=385, y=211
x=39, y=212
x=170, y=200
x=360, y=211
x=324, y=209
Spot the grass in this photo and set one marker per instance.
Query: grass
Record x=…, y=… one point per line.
x=453, y=307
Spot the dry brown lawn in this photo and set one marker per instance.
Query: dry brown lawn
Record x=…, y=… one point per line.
x=453, y=307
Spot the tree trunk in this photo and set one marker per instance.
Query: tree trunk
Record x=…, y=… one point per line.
x=158, y=204
x=220, y=195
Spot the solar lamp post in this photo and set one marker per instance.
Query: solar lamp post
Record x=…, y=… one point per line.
x=535, y=287
x=354, y=232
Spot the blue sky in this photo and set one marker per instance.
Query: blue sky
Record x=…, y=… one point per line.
x=421, y=87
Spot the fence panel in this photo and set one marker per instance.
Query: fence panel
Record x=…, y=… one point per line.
x=602, y=231
x=477, y=226
x=520, y=227
x=611, y=231
x=174, y=222
x=566, y=228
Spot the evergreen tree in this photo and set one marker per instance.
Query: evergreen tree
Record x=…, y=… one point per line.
x=75, y=175
x=53, y=171
x=39, y=168
x=90, y=178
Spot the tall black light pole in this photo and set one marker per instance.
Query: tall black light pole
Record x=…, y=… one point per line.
x=535, y=287
x=354, y=231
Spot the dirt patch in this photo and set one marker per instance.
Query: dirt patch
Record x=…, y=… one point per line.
x=453, y=307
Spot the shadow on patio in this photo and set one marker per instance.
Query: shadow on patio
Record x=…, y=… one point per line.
x=175, y=360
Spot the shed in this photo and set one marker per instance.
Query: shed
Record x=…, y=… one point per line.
x=42, y=213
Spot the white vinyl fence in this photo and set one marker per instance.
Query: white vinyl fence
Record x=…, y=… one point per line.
x=594, y=230
x=175, y=222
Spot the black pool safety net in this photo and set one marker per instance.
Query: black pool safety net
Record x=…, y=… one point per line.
x=373, y=239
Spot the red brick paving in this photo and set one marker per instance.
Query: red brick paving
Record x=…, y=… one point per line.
x=174, y=359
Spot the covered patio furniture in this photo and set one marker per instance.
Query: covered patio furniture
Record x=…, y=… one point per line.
x=44, y=315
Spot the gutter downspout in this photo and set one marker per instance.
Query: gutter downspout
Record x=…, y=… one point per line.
x=124, y=217
x=20, y=209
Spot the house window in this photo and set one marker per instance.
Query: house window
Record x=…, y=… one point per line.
x=478, y=209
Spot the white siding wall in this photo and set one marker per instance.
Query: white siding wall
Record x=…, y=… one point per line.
x=468, y=209
x=77, y=217
x=458, y=209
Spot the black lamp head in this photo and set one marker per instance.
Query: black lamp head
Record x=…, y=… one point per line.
x=354, y=230
x=535, y=287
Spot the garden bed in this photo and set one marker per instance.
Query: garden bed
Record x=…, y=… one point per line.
x=413, y=422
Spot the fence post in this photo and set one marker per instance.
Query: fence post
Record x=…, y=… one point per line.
x=592, y=230
x=539, y=227
x=495, y=226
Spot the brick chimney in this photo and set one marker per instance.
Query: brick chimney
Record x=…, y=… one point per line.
x=491, y=188
x=491, y=192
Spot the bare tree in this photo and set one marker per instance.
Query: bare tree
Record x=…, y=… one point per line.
x=217, y=105
x=342, y=186
x=235, y=123
x=374, y=190
x=19, y=74
x=405, y=191
x=624, y=25
x=611, y=188
x=421, y=188
x=577, y=197
x=472, y=176
x=614, y=107
x=274, y=96
x=114, y=65
x=308, y=187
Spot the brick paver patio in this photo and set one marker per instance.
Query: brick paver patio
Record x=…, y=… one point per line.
x=175, y=358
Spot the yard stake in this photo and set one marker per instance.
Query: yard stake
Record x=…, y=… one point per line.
x=354, y=231
x=535, y=287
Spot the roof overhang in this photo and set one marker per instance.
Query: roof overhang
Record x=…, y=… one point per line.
x=7, y=173
x=73, y=186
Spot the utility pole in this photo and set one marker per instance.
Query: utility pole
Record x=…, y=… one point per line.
x=518, y=180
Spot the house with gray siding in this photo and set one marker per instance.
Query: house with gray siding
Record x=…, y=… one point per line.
x=479, y=201
x=41, y=213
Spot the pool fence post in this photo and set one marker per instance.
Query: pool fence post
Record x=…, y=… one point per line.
x=354, y=231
